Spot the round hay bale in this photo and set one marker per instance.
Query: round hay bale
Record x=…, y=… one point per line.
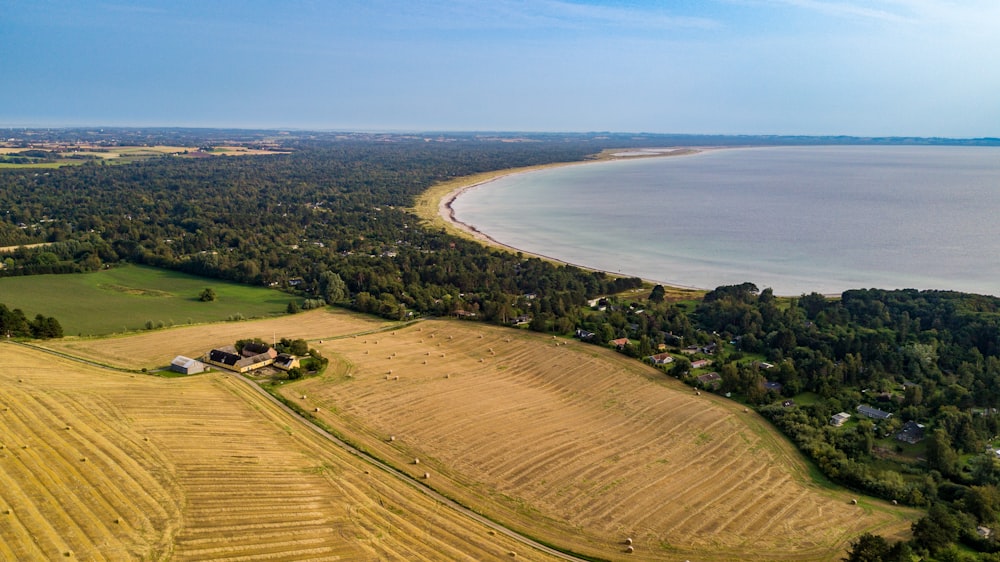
x=396, y=377
x=854, y=502
x=481, y=360
x=630, y=549
x=366, y=352
x=118, y=520
x=492, y=532
x=303, y=396
x=20, y=380
x=480, y=336
x=7, y=512
x=84, y=459
x=315, y=409
x=894, y=502
x=394, y=333
x=145, y=438
x=427, y=475
x=447, y=376
x=392, y=438
x=450, y=337
x=427, y=353
x=416, y=461
x=425, y=361
x=387, y=377
x=628, y=540
x=697, y=393
x=68, y=428
x=68, y=554
x=745, y=410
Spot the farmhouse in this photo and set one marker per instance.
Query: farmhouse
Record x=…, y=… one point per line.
x=660, y=359
x=286, y=362
x=873, y=413
x=701, y=363
x=254, y=356
x=186, y=365
x=619, y=343
x=838, y=420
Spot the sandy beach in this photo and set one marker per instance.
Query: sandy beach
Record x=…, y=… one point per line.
x=435, y=204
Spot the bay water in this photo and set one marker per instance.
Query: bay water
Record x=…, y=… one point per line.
x=796, y=219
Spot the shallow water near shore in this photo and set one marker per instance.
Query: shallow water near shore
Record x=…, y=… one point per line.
x=796, y=219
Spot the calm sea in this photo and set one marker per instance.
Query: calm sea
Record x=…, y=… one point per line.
x=796, y=219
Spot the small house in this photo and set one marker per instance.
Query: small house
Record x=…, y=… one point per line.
x=710, y=380
x=911, y=432
x=660, y=359
x=838, y=420
x=619, y=343
x=286, y=362
x=701, y=363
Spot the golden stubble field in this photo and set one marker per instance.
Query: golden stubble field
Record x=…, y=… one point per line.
x=103, y=465
x=583, y=448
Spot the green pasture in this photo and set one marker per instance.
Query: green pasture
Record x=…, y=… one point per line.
x=128, y=298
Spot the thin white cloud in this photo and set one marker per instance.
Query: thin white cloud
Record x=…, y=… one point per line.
x=848, y=9
x=536, y=14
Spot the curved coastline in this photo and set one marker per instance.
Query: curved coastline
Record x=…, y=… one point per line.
x=445, y=212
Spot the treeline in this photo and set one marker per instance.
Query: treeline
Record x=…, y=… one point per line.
x=14, y=324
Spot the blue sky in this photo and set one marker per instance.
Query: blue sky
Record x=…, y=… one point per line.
x=825, y=67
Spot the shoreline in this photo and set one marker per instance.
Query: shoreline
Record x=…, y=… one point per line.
x=442, y=196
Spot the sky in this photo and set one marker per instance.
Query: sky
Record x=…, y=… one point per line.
x=813, y=67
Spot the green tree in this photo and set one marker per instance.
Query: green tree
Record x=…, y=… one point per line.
x=208, y=295
x=657, y=294
x=868, y=548
x=940, y=454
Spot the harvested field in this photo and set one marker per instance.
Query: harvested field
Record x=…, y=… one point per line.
x=101, y=465
x=581, y=447
x=155, y=349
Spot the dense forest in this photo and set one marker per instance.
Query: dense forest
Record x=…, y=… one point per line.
x=330, y=221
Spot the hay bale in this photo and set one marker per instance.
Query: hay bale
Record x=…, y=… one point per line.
x=416, y=461
x=894, y=502
x=628, y=540
x=697, y=393
x=396, y=377
x=68, y=428
x=427, y=475
x=392, y=438
x=480, y=336
x=315, y=409
x=425, y=361
x=854, y=502
x=303, y=396
x=629, y=549
x=118, y=520
x=745, y=410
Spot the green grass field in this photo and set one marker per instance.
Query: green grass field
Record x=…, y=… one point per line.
x=127, y=298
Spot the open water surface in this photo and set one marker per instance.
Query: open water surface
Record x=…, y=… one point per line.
x=796, y=219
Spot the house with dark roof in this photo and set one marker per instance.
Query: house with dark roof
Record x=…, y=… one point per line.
x=911, y=432
x=254, y=356
x=286, y=362
x=710, y=380
x=873, y=413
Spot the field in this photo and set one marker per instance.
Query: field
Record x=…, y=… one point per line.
x=100, y=465
x=582, y=447
x=124, y=299
x=74, y=154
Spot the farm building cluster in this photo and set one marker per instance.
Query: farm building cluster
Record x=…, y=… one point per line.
x=253, y=356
